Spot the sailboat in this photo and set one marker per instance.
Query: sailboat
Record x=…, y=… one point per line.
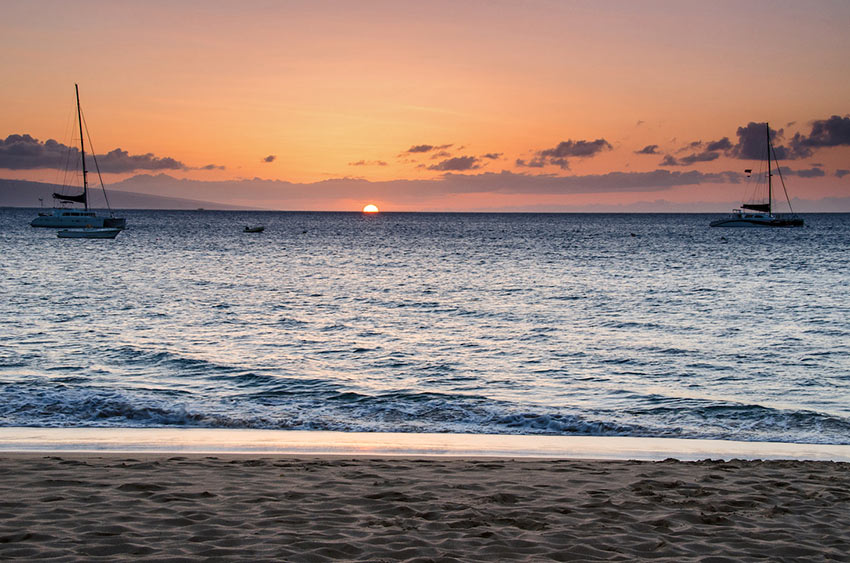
x=760, y=214
x=73, y=217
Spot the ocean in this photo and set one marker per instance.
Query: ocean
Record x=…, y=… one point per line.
x=554, y=324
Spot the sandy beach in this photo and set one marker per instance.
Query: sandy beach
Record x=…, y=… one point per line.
x=151, y=507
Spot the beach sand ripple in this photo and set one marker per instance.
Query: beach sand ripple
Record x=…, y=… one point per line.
x=151, y=507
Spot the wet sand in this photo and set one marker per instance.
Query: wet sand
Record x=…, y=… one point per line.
x=251, y=507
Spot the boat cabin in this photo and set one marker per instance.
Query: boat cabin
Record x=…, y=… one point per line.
x=76, y=213
x=739, y=213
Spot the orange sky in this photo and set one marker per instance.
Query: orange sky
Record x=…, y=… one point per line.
x=344, y=90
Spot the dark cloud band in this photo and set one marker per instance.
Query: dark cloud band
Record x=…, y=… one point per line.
x=24, y=152
x=559, y=155
x=457, y=164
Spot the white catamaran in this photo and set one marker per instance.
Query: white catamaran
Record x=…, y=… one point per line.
x=64, y=217
x=760, y=213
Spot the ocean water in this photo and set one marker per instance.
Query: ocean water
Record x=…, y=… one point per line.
x=563, y=324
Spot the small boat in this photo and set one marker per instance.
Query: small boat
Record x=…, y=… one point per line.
x=760, y=213
x=68, y=217
x=93, y=232
x=259, y=229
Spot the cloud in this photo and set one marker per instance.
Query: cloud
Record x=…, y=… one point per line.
x=612, y=182
x=270, y=158
x=832, y=132
x=704, y=156
x=458, y=163
x=212, y=167
x=530, y=164
x=118, y=161
x=723, y=144
x=492, y=155
x=23, y=152
x=558, y=155
x=420, y=148
x=841, y=172
x=368, y=163
x=576, y=148
x=805, y=173
x=710, y=151
x=425, y=148
x=648, y=149
x=287, y=195
x=751, y=144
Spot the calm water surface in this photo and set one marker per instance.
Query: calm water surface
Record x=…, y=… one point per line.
x=637, y=325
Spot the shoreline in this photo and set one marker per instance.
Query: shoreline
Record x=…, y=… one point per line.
x=325, y=443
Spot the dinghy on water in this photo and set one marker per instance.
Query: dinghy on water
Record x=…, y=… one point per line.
x=89, y=233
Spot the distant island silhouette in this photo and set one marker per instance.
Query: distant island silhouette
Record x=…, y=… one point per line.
x=23, y=193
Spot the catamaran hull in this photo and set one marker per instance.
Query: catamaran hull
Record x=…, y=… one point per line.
x=749, y=223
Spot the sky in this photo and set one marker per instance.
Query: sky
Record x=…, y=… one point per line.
x=534, y=105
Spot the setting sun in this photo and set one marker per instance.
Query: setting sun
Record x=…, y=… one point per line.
x=371, y=208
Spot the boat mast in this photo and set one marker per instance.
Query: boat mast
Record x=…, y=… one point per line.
x=83, y=149
x=769, y=175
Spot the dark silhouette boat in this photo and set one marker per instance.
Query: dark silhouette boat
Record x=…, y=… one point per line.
x=760, y=213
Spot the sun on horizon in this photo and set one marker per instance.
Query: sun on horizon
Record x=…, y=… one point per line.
x=370, y=208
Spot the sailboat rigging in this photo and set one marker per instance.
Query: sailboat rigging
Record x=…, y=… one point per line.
x=69, y=217
x=760, y=214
